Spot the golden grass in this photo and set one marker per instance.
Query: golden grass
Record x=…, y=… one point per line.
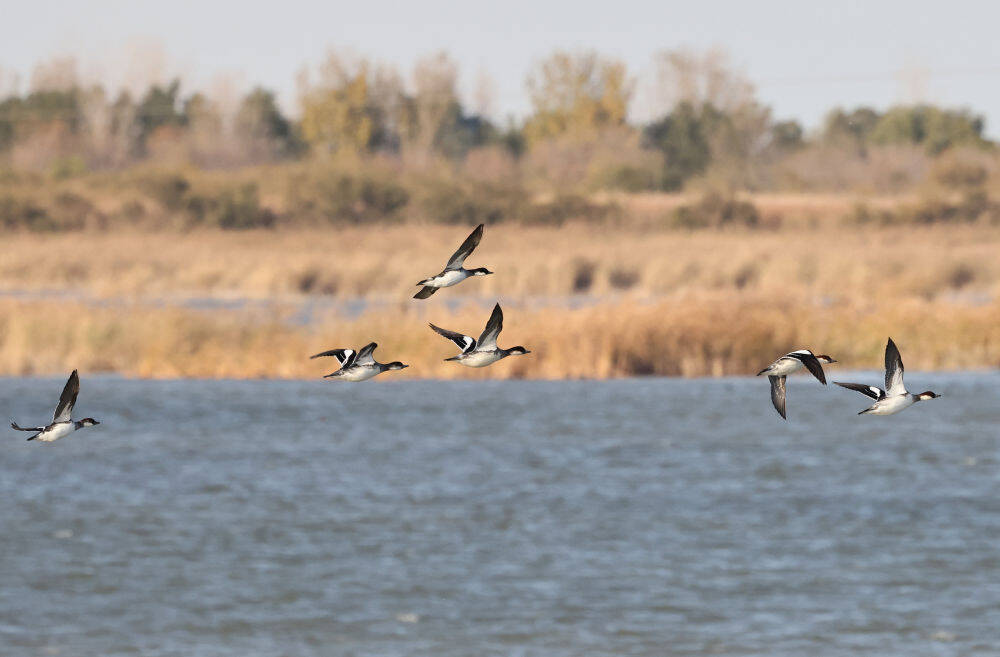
x=383, y=262
x=705, y=334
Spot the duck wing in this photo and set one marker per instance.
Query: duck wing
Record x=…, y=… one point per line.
x=778, y=394
x=366, y=354
x=343, y=356
x=425, y=292
x=488, y=338
x=893, y=371
x=812, y=364
x=468, y=246
x=64, y=410
x=870, y=391
x=465, y=343
x=17, y=427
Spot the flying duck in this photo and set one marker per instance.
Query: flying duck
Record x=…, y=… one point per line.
x=454, y=272
x=358, y=365
x=62, y=423
x=792, y=362
x=894, y=398
x=482, y=352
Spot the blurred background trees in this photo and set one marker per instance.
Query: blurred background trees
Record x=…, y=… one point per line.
x=708, y=129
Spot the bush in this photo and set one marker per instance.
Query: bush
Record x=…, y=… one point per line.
x=349, y=198
x=17, y=212
x=170, y=190
x=454, y=204
x=233, y=208
x=974, y=206
x=716, y=211
x=564, y=208
x=960, y=174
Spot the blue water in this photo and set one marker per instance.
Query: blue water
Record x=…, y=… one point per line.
x=557, y=519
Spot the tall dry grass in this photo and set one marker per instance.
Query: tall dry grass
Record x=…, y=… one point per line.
x=827, y=263
x=699, y=334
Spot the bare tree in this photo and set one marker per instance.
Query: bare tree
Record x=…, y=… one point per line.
x=434, y=79
x=699, y=78
x=56, y=74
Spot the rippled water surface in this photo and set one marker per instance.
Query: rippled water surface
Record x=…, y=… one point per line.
x=642, y=517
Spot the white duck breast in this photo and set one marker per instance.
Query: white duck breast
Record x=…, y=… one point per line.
x=56, y=431
x=481, y=358
x=448, y=278
x=360, y=373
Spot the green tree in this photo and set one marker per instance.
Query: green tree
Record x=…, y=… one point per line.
x=159, y=107
x=683, y=137
x=259, y=123
x=934, y=128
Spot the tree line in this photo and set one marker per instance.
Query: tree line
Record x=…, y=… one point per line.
x=709, y=118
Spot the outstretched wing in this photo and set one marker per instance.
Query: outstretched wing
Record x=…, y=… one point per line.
x=464, y=342
x=488, y=338
x=343, y=356
x=365, y=354
x=871, y=391
x=64, y=410
x=893, y=371
x=812, y=364
x=778, y=394
x=425, y=292
x=468, y=246
x=17, y=427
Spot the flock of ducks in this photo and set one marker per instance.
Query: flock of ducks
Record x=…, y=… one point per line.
x=361, y=365
x=892, y=400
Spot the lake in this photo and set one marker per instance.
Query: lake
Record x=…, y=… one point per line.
x=557, y=519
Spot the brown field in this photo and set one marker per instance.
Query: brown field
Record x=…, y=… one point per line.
x=589, y=300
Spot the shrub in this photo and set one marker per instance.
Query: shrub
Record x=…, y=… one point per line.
x=349, y=198
x=17, y=212
x=232, y=208
x=564, y=208
x=716, y=211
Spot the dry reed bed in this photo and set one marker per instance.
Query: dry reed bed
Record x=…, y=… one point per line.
x=705, y=334
x=383, y=262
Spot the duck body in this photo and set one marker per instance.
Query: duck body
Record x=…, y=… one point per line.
x=482, y=358
x=484, y=351
x=62, y=423
x=778, y=371
x=57, y=430
x=454, y=272
x=447, y=278
x=358, y=365
x=894, y=398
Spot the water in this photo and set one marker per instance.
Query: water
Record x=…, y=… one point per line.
x=642, y=517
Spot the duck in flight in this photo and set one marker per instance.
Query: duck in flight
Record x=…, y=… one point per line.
x=454, y=272
x=791, y=362
x=358, y=365
x=894, y=398
x=484, y=351
x=62, y=424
